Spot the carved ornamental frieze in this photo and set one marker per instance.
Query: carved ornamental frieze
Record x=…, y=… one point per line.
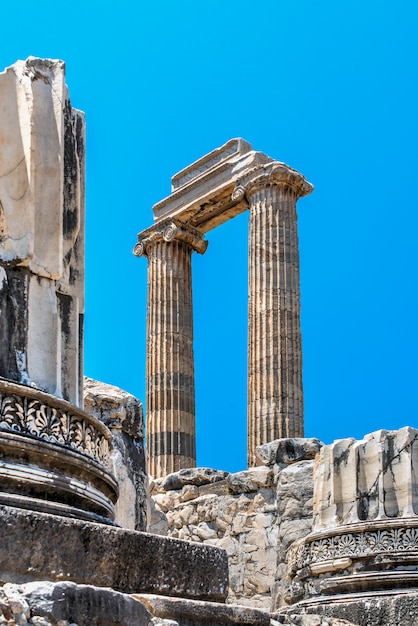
x=365, y=533
x=36, y=414
x=54, y=457
x=335, y=551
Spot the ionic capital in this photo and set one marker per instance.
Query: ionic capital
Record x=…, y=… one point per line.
x=168, y=231
x=274, y=173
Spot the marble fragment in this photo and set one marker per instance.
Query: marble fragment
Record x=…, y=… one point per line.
x=42, y=155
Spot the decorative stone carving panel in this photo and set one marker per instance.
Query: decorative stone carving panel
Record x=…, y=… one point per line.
x=53, y=457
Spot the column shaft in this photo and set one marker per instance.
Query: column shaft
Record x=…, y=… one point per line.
x=170, y=366
x=275, y=398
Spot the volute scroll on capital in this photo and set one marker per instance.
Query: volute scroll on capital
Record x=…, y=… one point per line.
x=274, y=173
x=169, y=231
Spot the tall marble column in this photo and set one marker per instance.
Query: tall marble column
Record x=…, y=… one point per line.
x=171, y=438
x=275, y=398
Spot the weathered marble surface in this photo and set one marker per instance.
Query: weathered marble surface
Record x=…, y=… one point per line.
x=197, y=613
x=365, y=530
x=287, y=451
x=122, y=413
x=54, y=457
x=303, y=619
x=64, y=603
x=48, y=547
x=386, y=609
x=206, y=193
x=294, y=518
x=41, y=230
x=374, y=478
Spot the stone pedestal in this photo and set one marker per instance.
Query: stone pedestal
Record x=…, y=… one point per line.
x=171, y=430
x=275, y=396
x=365, y=532
x=54, y=457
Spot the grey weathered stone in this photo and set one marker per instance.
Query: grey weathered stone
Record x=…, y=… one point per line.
x=294, y=517
x=55, y=457
x=42, y=155
x=389, y=609
x=365, y=515
x=122, y=413
x=192, y=476
x=48, y=547
x=197, y=613
x=157, y=521
x=250, y=480
x=304, y=619
x=83, y=605
x=287, y=451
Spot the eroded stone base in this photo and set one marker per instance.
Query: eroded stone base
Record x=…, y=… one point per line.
x=39, y=546
x=391, y=608
x=197, y=613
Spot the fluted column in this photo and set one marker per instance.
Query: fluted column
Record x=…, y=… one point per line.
x=275, y=398
x=171, y=439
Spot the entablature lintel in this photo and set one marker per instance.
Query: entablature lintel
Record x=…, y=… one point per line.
x=217, y=194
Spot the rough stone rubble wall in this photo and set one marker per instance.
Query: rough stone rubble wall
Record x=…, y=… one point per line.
x=254, y=515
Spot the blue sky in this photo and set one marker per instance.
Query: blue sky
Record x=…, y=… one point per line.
x=328, y=87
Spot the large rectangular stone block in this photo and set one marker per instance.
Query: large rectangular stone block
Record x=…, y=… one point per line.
x=39, y=546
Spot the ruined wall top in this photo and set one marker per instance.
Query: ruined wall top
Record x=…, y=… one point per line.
x=41, y=229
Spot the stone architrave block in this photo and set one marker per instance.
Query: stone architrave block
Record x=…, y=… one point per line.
x=205, y=194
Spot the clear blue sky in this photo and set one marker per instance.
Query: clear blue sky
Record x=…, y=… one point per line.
x=328, y=87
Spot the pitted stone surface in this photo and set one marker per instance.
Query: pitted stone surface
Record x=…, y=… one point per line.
x=240, y=520
x=48, y=547
x=197, y=613
x=255, y=518
x=42, y=156
x=388, y=609
x=287, y=451
x=123, y=414
x=192, y=476
x=65, y=603
x=311, y=620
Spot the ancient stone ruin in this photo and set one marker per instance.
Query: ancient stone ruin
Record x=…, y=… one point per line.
x=309, y=534
x=216, y=188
